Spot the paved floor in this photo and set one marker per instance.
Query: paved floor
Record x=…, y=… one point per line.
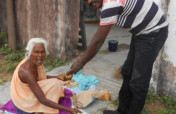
x=103, y=66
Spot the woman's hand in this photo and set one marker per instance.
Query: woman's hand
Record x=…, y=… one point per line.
x=74, y=111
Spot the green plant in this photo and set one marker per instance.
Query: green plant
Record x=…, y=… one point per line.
x=144, y=111
x=11, y=67
x=170, y=111
x=152, y=97
x=11, y=59
x=169, y=102
x=3, y=38
x=2, y=69
x=115, y=102
x=5, y=50
x=15, y=56
x=3, y=35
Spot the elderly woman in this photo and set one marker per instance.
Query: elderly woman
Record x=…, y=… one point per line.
x=31, y=90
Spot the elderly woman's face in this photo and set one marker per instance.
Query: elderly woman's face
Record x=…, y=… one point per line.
x=38, y=54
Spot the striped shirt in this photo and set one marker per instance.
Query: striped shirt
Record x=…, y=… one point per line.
x=139, y=16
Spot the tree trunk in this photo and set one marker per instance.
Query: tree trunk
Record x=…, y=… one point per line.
x=11, y=24
x=3, y=16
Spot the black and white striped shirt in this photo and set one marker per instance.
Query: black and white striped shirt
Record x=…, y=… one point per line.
x=139, y=16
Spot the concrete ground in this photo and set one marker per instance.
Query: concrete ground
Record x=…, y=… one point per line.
x=103, y=66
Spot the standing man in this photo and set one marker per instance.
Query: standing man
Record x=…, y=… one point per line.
x=145, y=20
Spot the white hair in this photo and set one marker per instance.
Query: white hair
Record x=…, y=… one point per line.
x=31, y=44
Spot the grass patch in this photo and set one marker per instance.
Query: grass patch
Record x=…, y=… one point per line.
x=165, y=104
x=10, y=59
x=144, y=111
x=5, y=50
x=15, y=56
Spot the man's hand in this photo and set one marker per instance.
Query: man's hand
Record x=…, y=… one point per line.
x=75, y=68
x=64, y=77
x=74, y=111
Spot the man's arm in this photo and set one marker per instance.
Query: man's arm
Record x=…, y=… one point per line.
x=92, y=50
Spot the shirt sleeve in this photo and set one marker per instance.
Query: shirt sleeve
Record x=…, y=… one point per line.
x=110, y=12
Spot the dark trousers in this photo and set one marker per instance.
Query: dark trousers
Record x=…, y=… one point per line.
x=137, y=70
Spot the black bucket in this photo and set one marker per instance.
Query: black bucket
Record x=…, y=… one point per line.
x=113, y=45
